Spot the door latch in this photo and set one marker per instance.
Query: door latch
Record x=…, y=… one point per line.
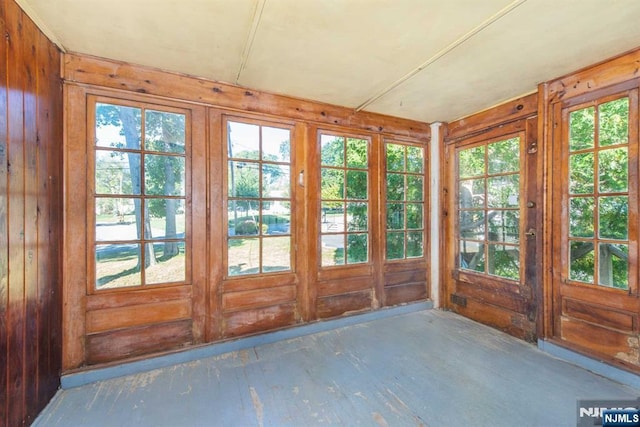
x=530, y=233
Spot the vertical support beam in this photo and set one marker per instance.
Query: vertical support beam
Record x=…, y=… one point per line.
x=435, y=209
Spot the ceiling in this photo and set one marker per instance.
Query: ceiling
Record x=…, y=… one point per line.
x=428, y=60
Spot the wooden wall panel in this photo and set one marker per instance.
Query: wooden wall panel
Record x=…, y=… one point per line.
x=131, y=342
x=30, y=217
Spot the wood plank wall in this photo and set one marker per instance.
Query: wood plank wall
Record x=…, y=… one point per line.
x=221, y=307
x=30, y=217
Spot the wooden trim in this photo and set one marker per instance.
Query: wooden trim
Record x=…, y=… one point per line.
x=510, y=111
x=215, y=212
x=606, y=73
x=84, y=69
x=75, y=202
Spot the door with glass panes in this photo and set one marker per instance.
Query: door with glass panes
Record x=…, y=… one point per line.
x=595, y=230
x=493, y=227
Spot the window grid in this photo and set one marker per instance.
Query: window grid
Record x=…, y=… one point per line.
x=404, y=190
x=489, y=208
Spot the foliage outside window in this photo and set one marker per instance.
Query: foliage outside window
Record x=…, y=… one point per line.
x=404, y=201
x=259, y=199
x=489, y=208
x=344, y=206
x=598, y=187
x=140, y=195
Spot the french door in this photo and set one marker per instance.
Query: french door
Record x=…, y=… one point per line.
x=492, y=233
x=595, y=225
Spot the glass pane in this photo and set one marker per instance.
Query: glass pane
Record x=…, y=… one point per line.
x=415, y=159
x=395, y=158
x=116, y=219
x=243, y=256
x=276, y=144
x=414, y=216
x=332, y=186
x=164, y=132
x=581, y=129
x=472, y=224
x=395, y=187
x=114, y=172
x=614, y=122
x=357, y=248
x=581, y=173
x=471, y=162
x=614, y=265
x=244, y=141
x=503, y=191
x=504, y=226
x=472, y=256
x=243, y=217
x=276, y=254
x=504, y=261
x=357, y=185
x=243, y=179
x=276, y=217
x=118, y=126
x=276, y=180
x=118, y=266
x=415, y=243
x=613, y=217
x=170, y=264
x=613, y=168
x=357, y=153
x=395, y=245
x=504, y=156
x=332, y=249
x=581, y=219
x=164, y=175
x=167, y=218
x=332, y=150
x=357, y=216
x=332, y=217
x=395, y=216
x=415, y=185
x=582, y=264
x=472, y=193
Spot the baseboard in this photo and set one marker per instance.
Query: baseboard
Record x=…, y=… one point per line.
x=596, y=366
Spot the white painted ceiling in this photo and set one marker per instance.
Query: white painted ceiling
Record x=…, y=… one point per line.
x=428, y=60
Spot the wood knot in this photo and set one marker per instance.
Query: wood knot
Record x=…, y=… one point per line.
x=247, y=93
x=519, y=107
x=217, y=90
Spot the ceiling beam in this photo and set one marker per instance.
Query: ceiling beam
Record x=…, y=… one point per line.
x=442, y=52
x=248, y=44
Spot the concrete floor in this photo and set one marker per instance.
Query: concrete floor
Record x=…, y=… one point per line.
x=428, y=368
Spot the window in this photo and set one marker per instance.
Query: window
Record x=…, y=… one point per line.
x=404, y=201
x=259, y=199
x=489, y=208
x=140, y=196
x=344, y=198
x=598, y=187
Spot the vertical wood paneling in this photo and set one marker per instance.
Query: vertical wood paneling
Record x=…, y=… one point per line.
x=30, y=142
x=15, y=186
x=4, y=236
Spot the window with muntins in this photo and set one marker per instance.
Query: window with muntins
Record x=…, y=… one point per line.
x=258, y=198
x=140, y=192
x=404, y=201
x=598, y=194
x=489, y=208
x=344, y=199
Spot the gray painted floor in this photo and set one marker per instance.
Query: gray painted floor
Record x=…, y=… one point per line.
x=429, y=368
